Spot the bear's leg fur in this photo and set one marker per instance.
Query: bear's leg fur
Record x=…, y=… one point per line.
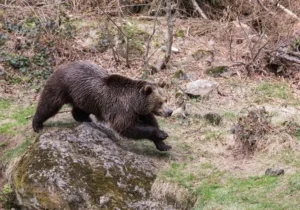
x=47, y=108
x=149, y=119
x=80, y=115
x=147, y=128
x=142, y=131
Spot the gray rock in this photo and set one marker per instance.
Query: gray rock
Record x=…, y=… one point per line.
x=82, y=168
x=200, y=87
x=2, y=71
x=174, y=49
x=180, y=112
x=274, y=172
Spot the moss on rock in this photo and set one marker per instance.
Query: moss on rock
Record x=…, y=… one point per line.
x=80, y=168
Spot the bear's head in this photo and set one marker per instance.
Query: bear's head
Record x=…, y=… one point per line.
x=155, y=100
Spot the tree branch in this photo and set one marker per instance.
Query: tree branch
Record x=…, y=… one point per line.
x=125, y=35
x=162, y=63
x=199, y=10
x=146, y=59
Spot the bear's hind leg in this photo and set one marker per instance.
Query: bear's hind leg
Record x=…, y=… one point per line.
x=80, y=115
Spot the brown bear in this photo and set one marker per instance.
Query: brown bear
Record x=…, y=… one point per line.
x=127, y=105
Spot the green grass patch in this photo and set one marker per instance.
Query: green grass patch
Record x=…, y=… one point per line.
x=3, y=145
x=13, y=117
x=13, y=120
x=7, y=197
x=217, y=189
x=213, y=135
x=7, y=128
x=290, y=157
x=15, y=152
x=268, y=91
x=177, y=173
x=237, y=193
x=4, y=104
x=228, y=115
x=23, y=115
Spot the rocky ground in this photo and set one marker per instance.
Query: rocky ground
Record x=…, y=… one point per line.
x=223, y=141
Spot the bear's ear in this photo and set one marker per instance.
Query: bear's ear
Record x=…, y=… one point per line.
x=162, y=84
x=146, y=90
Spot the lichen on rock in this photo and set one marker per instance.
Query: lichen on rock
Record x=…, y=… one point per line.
x=82, y=168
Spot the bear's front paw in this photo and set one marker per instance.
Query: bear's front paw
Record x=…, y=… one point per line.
x=37, y=127
x=161, y=135
x=161, y=146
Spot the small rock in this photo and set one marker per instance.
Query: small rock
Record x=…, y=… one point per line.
x=179, y=112
x=174, y=49
x=104, y=200
x=188, y=108
x=274, y=172
x=200, y=87
x=2, y=72
x=213, y=118
x=233, y=129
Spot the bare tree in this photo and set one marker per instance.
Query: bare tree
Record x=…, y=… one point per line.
x=162, y=64
x=146, y=58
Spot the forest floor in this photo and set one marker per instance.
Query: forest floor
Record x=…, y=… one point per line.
x=206, y=167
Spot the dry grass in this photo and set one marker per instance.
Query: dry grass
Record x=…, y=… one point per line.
x=251, y=129
x=255, y=133
x=173, y=194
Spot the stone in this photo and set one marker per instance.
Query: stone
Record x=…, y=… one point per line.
x=274, y=172
x=174, y=49
x=2, y=72
x=180, y=112
x=201, y=87
x=82, y=168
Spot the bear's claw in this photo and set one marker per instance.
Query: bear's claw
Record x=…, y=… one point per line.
x=162, y=146
x=162, y=135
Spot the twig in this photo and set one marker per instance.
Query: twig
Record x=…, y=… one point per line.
x=287, y=11
x=148, y=18
x=199, y=10
x=146, y=59
x=170, y=31
x=254, y=59
x=265, y=8
x=235, y=63
x=162, y=64
x=259, y=50
x=126, y=36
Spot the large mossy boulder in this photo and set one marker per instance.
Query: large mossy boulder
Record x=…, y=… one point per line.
x=82, y=168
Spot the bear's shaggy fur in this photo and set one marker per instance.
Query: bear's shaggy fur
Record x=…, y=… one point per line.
x=128, y=105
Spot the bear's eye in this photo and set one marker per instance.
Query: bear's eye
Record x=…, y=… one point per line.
x=161, y=103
